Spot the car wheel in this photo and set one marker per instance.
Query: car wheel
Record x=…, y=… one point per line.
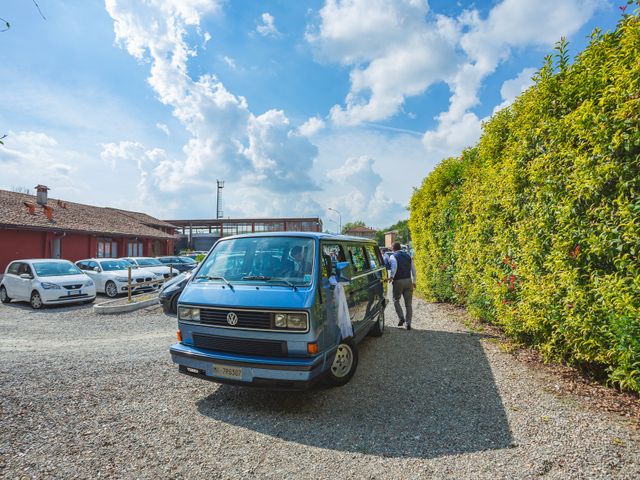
x=36, y=300
x=378, y=328
x=173, y=308
x=110, y=289
x=344, y=363
x=4, y=298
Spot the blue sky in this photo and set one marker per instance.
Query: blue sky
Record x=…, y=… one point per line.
x=298, y=105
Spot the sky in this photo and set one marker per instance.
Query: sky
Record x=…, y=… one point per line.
x=299, y=106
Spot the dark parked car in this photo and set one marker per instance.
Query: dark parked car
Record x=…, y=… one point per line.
x=182, y=264
x=171, y=290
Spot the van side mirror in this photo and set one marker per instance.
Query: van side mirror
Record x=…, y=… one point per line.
x=340, y=266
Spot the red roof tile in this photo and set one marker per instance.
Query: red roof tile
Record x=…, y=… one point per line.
x=76, y=217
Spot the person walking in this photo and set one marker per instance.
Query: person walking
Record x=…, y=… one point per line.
x=403, y=278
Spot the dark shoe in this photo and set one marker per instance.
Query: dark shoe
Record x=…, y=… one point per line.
x=408, y=327
x=400, y=323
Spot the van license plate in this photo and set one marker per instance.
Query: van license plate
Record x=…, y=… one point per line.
x=227, y=372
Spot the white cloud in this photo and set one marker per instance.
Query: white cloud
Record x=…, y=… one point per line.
x=163, y=127
x=230, y=62
x=398, y=49
x=267, y=28
x=512, y=88
x=486, y=43
x=394, y=50
x=227, y=141
x=38, y=156
x=363, y=197
x=312, y=126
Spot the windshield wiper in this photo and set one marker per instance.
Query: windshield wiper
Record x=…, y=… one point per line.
x=270, y=279
x=215, y=278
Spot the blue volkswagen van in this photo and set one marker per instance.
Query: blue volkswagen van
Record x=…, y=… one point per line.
x=262, y=309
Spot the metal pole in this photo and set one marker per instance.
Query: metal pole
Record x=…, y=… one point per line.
x=339, y=215
x=219, y=199
x=129, y=284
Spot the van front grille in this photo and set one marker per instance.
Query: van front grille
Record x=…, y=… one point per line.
x=262, y=348
x=246, y=318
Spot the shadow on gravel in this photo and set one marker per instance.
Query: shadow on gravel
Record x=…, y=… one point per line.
x=420, y=394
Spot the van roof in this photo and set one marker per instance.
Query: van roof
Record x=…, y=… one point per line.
x=318, y=235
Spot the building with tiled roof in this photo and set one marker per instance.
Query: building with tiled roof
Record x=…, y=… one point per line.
x=363, y=232
x=42, y=227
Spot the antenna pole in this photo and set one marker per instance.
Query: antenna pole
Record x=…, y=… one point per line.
x=219, y=213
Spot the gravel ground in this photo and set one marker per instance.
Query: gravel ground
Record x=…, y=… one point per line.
x=91, y=396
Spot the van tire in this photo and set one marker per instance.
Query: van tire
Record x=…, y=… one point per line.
x=344, y=364
x=378, y=328
x=4, y=297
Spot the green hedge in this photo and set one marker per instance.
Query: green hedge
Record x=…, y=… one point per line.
x=537, y=227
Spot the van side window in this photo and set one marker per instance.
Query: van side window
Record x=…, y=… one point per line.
x=358, y=258
x=13, y=268
x=332, y=253
x=374, y=260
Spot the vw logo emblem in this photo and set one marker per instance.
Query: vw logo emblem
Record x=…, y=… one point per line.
x=232, y=318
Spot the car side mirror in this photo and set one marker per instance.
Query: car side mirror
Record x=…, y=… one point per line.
x=26, y=276
x=96, y=269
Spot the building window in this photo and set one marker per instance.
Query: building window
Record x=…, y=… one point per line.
x=107, y=248
x=134, y=249
x=244, y=228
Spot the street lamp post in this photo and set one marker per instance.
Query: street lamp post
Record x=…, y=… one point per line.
x=332, y=220
x=340, y=215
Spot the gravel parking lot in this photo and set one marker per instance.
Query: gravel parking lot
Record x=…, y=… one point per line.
x=91, y=396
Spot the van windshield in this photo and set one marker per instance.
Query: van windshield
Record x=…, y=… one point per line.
x=288, y=260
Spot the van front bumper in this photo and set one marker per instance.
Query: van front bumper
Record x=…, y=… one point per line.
x=281, y=373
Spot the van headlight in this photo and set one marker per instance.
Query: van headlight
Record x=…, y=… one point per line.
x=293, y=321
x=188, y=313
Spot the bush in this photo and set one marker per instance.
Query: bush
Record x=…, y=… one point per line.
x=537, y=227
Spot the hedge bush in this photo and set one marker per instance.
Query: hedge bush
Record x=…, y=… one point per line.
x=537, y=227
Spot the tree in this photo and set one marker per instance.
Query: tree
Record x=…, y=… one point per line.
x=355, y=224
x=402, y=227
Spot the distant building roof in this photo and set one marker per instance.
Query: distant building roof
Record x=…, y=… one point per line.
x=361, y=230
x=59, y=215
x=144, y=218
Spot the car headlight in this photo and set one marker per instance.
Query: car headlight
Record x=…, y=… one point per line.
x=122, y=279
x=50, y=286
x=188, y=313
x=88, y=283
x=293, y=321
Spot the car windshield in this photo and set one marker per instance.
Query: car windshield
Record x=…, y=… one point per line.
x=109, y=265
x=168, y=260
x=55, y=269
x=149, y=262
x=187, y=260
x=273, y=260
x=129, y=261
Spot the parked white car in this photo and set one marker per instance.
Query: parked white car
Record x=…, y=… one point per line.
x=46, y=282
x=152, y=264
x=111, y=275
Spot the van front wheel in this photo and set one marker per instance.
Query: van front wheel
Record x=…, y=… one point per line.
x=344, y=363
